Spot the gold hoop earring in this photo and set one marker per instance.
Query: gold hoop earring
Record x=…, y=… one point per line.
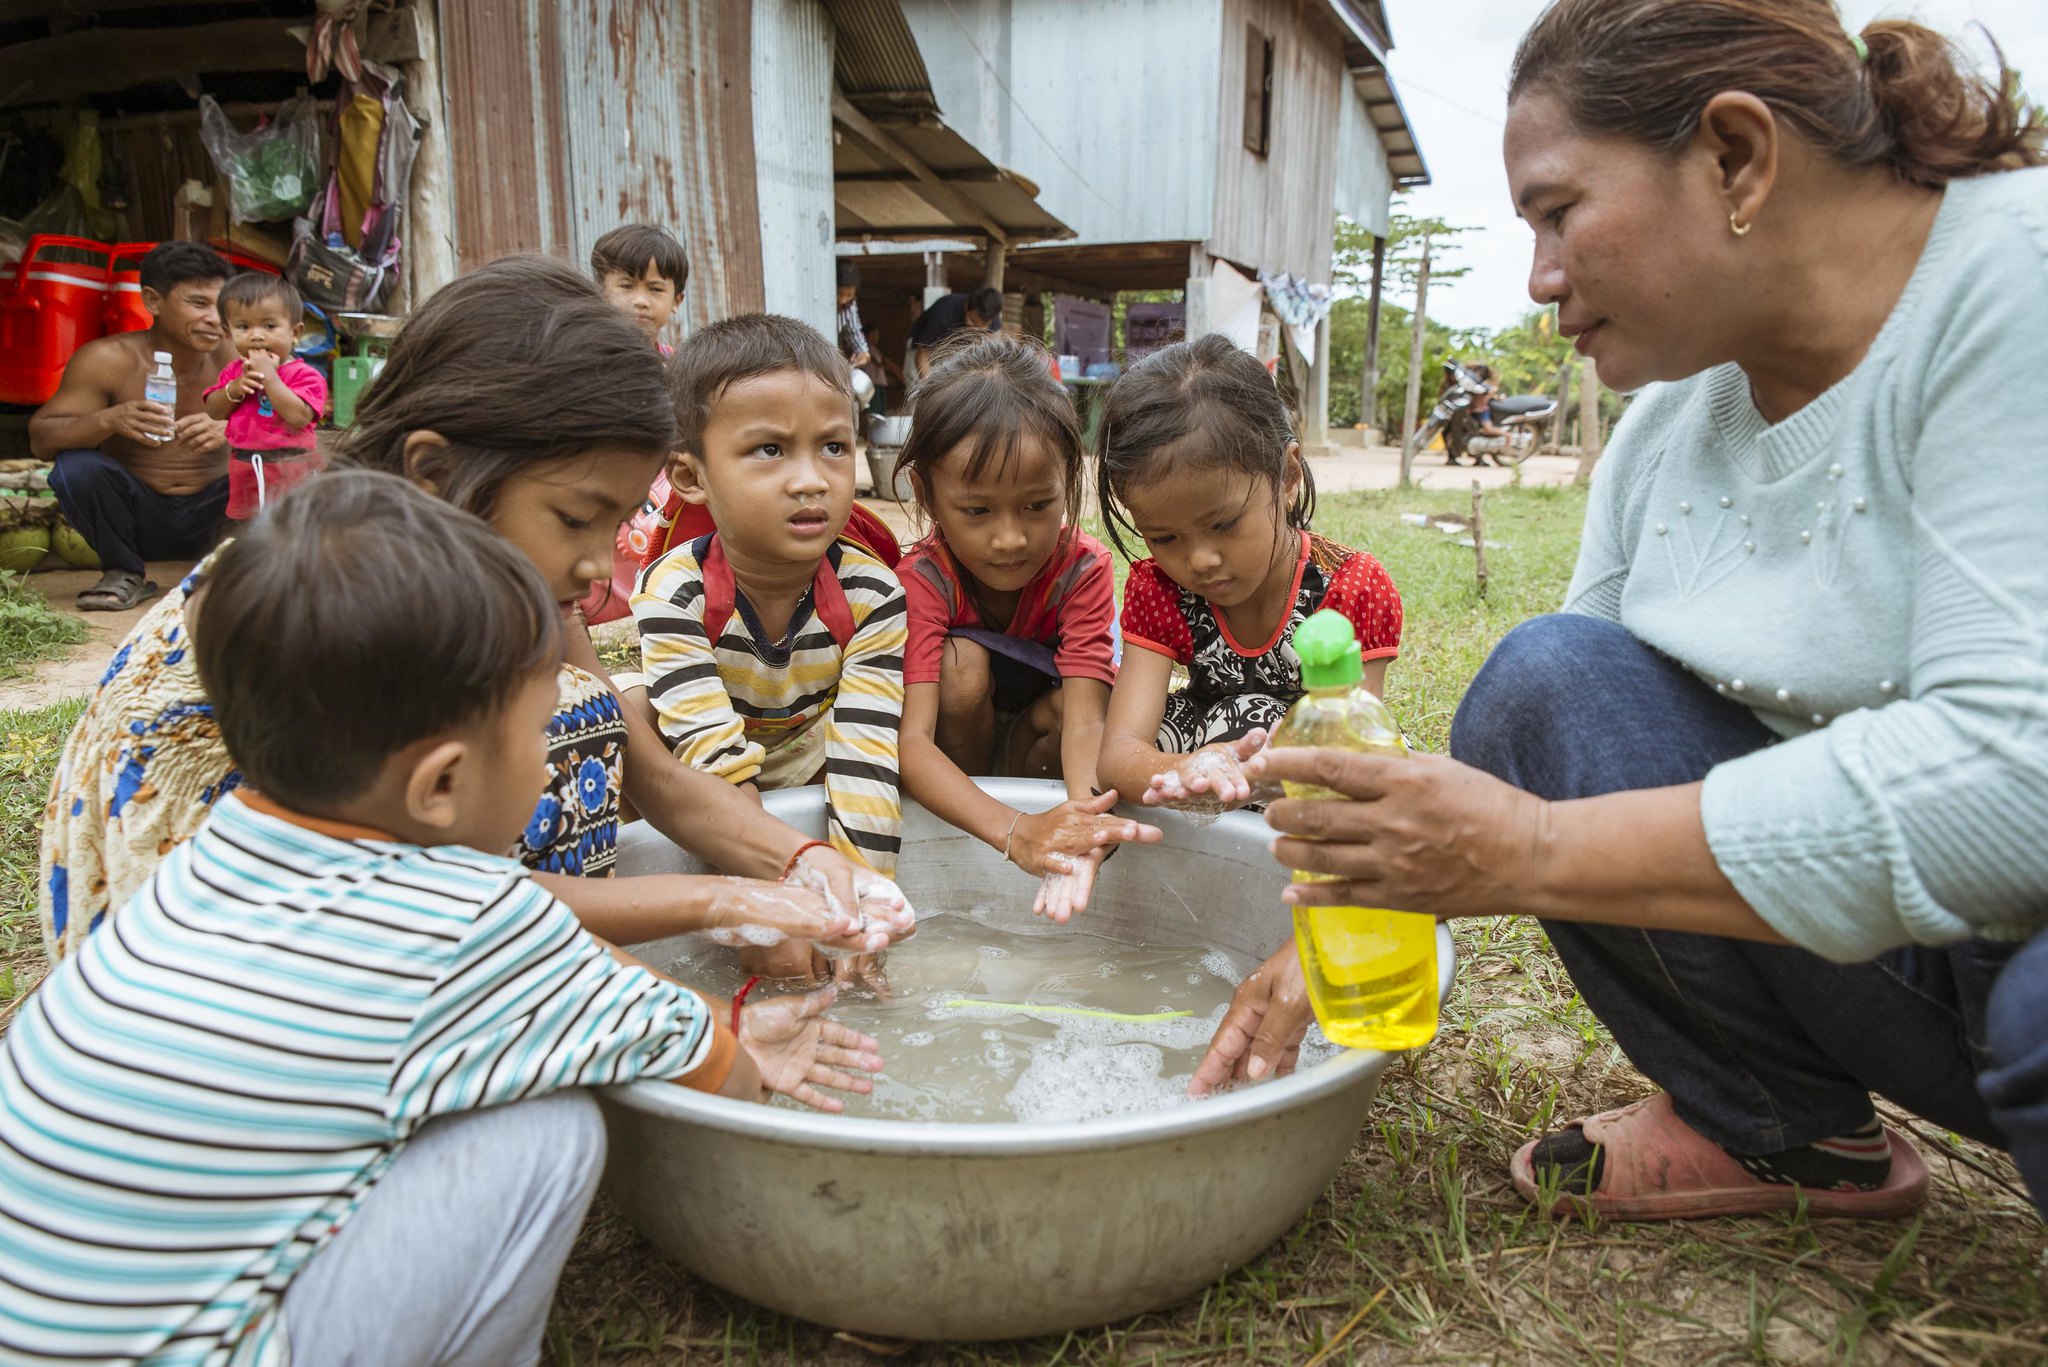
x=1739, y=229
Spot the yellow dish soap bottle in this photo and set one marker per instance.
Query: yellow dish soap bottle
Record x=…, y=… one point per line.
x=1371, y=972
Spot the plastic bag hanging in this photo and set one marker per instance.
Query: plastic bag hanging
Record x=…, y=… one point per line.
x=273, y=170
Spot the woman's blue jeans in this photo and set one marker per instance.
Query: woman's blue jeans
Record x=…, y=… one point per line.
x=1762, y=1047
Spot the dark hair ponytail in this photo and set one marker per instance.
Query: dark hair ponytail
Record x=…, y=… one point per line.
x=1645, y=69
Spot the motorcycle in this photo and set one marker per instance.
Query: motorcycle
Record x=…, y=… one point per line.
x=1520, y=418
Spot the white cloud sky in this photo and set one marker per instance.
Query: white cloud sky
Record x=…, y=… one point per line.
x=1450, y=62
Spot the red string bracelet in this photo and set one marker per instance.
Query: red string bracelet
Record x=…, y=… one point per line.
x=741, y=1000
x=801, y=851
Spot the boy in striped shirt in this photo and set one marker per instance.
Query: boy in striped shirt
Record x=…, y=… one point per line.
x=310, y=1095
x=773, y=649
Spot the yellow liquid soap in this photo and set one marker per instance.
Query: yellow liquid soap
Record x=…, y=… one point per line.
x=1371, y=971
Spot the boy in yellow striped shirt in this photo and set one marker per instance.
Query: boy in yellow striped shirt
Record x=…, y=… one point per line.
x=773, y=649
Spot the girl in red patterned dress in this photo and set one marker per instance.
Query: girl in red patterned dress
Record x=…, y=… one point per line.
x=1012, y=613
x=1199, y=460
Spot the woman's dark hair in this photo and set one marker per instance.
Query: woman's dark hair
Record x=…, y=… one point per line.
x=847, y=274
x=632, y=247
x=323, y=656
x=251, y=288
x=517, y=363
x=995, y=391
x=715, y=358
x=1210, y=386
x=1645, y=69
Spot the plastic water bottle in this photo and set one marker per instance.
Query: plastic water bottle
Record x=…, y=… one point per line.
x=1371, y=972
x=162, y=386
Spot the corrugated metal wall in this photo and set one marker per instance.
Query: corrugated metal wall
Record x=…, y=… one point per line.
x=1365, y=184
x=1110, y=107
x=1275, y=212
x=792, y=80
x=569, y=119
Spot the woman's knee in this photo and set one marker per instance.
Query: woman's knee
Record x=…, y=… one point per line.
x=2016, y=1017
x=1529, y=684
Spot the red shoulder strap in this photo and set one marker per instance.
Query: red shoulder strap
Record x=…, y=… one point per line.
x=720, y=592
x=828, y=598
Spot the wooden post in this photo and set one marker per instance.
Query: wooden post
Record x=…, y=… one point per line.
x=1479, y=535
x=1564, y=403
x=1408, y=424
x=430, y=235
x=1589, y=421
x=1369, y=378
x=998, y=253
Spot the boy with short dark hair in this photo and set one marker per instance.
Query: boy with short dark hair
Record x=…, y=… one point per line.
x=324, y=1036
x=642, y=270
x=773, y=647
x=268, y=397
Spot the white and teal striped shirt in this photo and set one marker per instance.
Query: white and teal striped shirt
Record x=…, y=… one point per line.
x=197, y=1098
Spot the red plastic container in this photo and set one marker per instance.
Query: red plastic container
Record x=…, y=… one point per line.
x=52, y=302
x=125, y=312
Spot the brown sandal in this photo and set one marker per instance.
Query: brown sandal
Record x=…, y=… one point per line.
x=1657, y=1167
x=117, y=591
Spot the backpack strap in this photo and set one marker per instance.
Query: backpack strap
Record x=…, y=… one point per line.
x=721, y=592
x=828, y=599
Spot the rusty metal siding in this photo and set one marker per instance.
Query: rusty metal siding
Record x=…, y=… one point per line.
x=1110, y=108
x=567, y=120
x=493, y=128
x=792, y=81
x=1275, y=212
x=1365, y=183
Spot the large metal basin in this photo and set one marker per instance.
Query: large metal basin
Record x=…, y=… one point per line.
x=982, y=1231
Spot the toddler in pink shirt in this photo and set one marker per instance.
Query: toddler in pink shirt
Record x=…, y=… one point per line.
x=269, y=397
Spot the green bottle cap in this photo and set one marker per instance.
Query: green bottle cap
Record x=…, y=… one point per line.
x=1329, y=651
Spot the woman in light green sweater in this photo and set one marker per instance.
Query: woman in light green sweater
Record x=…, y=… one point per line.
x=1777, y=778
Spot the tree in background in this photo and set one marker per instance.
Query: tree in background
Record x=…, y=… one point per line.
x=1351, y=269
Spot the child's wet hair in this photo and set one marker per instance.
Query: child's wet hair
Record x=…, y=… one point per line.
x=733, y=350
x=1214, y=402
x=519, y=363
x=632, y=247
x=994, y=391
x=357, y=616
x=251, y=289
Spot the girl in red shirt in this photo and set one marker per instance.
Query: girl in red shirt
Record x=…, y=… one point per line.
x=1199, y=460
x=1012, y=615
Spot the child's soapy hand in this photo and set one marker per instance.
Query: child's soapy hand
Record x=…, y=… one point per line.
x=1061, y=895
x=747, y=911
x=1054, y=841
x=799, y=1050
x=1261, y=1033
x=1210, y=780
x=875, y=902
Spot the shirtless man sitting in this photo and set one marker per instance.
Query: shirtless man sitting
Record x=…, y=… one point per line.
x=139, y=480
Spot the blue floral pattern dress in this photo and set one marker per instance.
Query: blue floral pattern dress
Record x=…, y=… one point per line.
x=145, y=764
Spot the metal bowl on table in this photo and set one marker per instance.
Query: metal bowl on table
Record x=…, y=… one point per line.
x=985, y=1231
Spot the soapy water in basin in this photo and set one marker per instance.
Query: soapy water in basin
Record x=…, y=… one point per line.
x=1110, y=1028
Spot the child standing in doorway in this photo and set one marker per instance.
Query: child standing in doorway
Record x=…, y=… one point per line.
x=269, y=398
x=1012, y=615
x=1200, y=461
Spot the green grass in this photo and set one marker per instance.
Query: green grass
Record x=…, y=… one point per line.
x=1421, y=1229
x=29, y=745
x=30, y=629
